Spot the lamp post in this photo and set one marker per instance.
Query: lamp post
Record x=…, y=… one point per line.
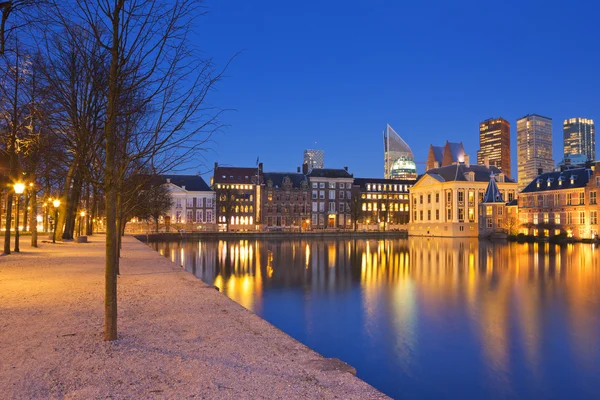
x=19, y=188
x=56, y=204
x=81, y=217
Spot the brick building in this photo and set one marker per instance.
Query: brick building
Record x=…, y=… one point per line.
x=381, y=202
x=285, y=201
x=331, y=196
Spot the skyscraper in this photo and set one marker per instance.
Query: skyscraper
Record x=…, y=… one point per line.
x=398, y=158
x=534, y=148
x=494, y=143
x=580, y=137
x=314, y=158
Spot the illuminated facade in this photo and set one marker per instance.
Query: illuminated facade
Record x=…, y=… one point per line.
x=494, y=144
x=382, y=203
x=492, y=211
x=331, y=196
x=399, y=161
x=445, y=201
x=285, y=201
x=238, y=197
x=534, y=148
x=442, y=156
x=561, y=202
x=314, y=158
x=579, y=136
x=193, y=202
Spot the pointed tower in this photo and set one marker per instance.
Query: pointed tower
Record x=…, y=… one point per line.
x=398, y=158
x=492, y=211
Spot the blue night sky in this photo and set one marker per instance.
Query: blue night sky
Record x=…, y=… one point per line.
x=331, y=74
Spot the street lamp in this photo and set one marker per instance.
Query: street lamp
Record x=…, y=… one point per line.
x=56, y=204
x=19, y=188
x=81, y=217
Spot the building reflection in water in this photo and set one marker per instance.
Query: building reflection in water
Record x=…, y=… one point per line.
x=504, y=305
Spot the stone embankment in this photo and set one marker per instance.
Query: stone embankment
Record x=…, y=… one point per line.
x=178, y=337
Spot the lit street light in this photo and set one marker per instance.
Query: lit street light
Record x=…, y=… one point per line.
x=56, y=204
x=81, y=217
x=19, y=188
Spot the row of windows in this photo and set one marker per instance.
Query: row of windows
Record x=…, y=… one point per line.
x=198, y=201
x=461, y=215
x=320, y=194
x=331, y=185
x=558, y=199
x=387, y=187
x=385, y=196
x=287, y=196
x=507, y=196
x=241, y=187
x=577, y=217
x=393, y=207
x=320, y=207
x=319, y=221
x=199, y=217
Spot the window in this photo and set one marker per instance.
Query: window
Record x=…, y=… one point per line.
x=321, y=194
x=209, y=216
x=488, y=210
x=348, y=195
x=500, y=210
x=569, y=199
x=448, y=197
x=437, y=215
x=421, y=215
x=535, y=219
x=348, y=185
x=314, y=219
x=557, y=218
x=556, y=199
x=581, y=198
x=593, y=197
x=471, y=214
x=471, y=196
x=199, y=216
x=342, y=194
x=178, y=203
x=322, y=185
x=428, y=215
x=331, y=207
x=546, y=218
x=189, y=216
x=315, y=185
x=189, y=202
x=314, y=206
x=414, y=215
x=598, y=181
x=332, y=195
x=437, y=197
x=421, y=199
x=341, y=185
x=461, y=214
x=569, y=218
x=428, y=198
x=449, y=214
x=489, y=222
x=209, y=202
x=315, y=194
x=593, y=217
x=511, y=196
x=341, y=207
x=321, y=206
x=331, y=185
x=581, y=217
x=321, y=220
x=461, y=196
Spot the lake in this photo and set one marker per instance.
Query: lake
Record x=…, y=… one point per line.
x=424, y=318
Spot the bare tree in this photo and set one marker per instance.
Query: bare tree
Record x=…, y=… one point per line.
x=154, y=70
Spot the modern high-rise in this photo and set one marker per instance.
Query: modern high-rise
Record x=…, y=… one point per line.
x=580, y=137
x=398, y=158
x=314, y=158
x=494, y=144
x=534, y=148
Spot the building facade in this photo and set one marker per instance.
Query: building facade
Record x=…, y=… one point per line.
x=193, y=202
x=445, y=201
x=314, y=158
x=492, y=211
x=561, y=202
x=286, y=201
x=398, y=158
x=383, y=203
x=238, y=194
x=442, y=156
x=534, y=148
x=494, y=143
x=331, y=197
x=579, y=135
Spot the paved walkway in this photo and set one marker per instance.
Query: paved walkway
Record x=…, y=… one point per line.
x=178, y=337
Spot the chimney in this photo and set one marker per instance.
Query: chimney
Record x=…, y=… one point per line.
x=467, y=160
x=260, y=168
x=305, y=168
x=216, y=166
x=486, y=161
x=183, y=187
x=346, y=169
x=298, y=170
x=168, y=180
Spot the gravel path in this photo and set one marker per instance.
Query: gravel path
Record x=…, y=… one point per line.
x=178, y=337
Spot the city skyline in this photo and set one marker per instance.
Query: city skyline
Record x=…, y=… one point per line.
x=328, y=84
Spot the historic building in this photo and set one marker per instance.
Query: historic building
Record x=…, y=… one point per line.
x=445, y=201
x=383, y=203
x=193, y=202
x=330, y=198
x=579, y=136
x=561, y=202
x=534, y=148
x=286, y=201
x=398, y=158
x=492, y=211
x=442, y=156
x=494, y=143
x=238, y=192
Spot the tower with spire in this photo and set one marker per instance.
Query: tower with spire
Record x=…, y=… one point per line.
x=492, y=211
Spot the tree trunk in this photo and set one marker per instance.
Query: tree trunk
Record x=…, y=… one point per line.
x=62, y=211
x=33, y=218
x=71, y=211
x=25, y=212
x=9, y=200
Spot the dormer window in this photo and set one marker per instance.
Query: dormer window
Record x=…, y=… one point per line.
x=538, y=182
x=549, y=181
x=560, y=180
x=573, y=178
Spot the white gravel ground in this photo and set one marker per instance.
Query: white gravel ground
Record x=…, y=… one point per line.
x=178, y=337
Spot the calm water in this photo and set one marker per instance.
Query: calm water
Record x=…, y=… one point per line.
x=425, y=318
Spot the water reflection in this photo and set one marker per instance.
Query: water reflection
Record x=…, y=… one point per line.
x=478, y=319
